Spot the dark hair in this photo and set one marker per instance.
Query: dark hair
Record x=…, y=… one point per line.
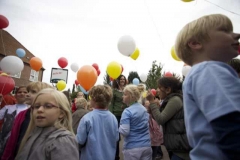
x=235, y=64
x=172, y=82
x=20, y=88
x=66, y=93
x=116, y=82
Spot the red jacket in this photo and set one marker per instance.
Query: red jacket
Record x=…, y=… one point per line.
x=74, y=108
x=9, y=152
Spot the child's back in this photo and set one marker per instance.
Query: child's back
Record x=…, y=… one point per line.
x=99, y=130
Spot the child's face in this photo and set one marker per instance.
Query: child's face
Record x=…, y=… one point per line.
x=30, y=96
x=21, y=95
x=146, y=104
x=222, y=46
x=46, y=111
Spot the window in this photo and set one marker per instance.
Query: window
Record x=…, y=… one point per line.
x=18, y=75
x=33, y=76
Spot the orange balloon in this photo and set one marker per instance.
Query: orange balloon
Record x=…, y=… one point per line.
x=87, y=76
x=35, y=63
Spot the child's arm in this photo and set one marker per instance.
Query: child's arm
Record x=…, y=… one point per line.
x=227, y=130
x=64, y=147
x=82, y=132
x=124, y=128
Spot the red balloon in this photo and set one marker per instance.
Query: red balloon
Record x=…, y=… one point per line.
x=98, y=72
x=95, y=65
x=122, y=68
x=111, y=79
x=168, y=74
x=3, y=22
x=62, y=62
x=154, y=92
x=6, y=84
x=76, y=82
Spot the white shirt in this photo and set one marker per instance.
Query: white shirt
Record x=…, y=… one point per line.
x=12, y=108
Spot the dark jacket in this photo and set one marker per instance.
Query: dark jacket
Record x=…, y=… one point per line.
x=171, y=117
x=76, y=117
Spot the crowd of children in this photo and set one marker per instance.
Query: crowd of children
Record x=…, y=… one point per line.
x=198, y=119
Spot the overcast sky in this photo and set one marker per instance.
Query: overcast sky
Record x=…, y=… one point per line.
x=87, y=31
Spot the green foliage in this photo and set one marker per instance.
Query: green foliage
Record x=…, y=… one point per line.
x=153, y=75
x=106, y=79
x=133, y=75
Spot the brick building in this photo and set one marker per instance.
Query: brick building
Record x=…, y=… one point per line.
x=8, y=46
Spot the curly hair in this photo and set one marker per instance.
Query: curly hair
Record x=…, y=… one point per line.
x=102, y=95
x=116, y=82
x=172, y=82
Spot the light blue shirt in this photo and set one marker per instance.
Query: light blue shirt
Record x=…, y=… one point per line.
x=134, y=127
x=99, y=129
x=210, y=90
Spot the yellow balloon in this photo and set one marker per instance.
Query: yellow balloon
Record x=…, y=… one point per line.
x=135, y=54
x=187, y=0
x=174, y=55
x=61, y=85
x=144, y=94
x=114, y=69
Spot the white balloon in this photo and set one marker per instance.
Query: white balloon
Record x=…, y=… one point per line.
x=11, y=65
x=185, y=70
x=126, y=45
x=143, y=77
x=74, y=67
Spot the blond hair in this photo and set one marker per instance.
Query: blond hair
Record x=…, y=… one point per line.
x=81, y=103
x=134, y=92
x=64, y=106
x=102, y=95
x=38, y=86
x=198, y=30
x=141, y=88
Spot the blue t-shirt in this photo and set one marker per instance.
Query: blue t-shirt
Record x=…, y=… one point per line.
x=136, y=118
x=211, y=90
x=99, y=129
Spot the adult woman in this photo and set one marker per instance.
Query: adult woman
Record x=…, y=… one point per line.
x=117, y=104
x=171, y=117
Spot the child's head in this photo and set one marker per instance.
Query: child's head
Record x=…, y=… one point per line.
x=81, y=103
x=168, y=85
x=131, y=94
x=207, y=38
x=51, y=108
x=80, y=95
x=20, y=94
x=101, y=96
x=33, y=88
x=235, y=64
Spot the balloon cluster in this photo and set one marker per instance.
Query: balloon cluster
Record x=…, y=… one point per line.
x=127, y=46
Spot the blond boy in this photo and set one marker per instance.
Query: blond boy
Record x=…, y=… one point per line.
x=211, y=89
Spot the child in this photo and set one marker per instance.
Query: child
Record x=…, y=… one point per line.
x=98, y=130
x=21, y=122
x=211, y=89
x=49, y=134
x=134, y=126
x=81, y=104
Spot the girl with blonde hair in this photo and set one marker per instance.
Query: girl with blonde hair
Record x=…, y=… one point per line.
x=49, y=134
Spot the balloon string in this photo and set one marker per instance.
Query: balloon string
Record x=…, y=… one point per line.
x=3, y=43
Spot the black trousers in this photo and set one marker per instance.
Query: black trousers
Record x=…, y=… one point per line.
x=117, y=157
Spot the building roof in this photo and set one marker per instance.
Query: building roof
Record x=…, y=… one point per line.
x=9, y=45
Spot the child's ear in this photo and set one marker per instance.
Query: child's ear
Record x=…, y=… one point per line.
x=193, y=44
x=61, y=115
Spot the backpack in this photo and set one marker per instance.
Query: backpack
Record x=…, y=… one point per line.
x=156, y=134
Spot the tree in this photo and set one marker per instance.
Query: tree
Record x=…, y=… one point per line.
x=132, y=75
x=106, y=79
x=153, y=75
